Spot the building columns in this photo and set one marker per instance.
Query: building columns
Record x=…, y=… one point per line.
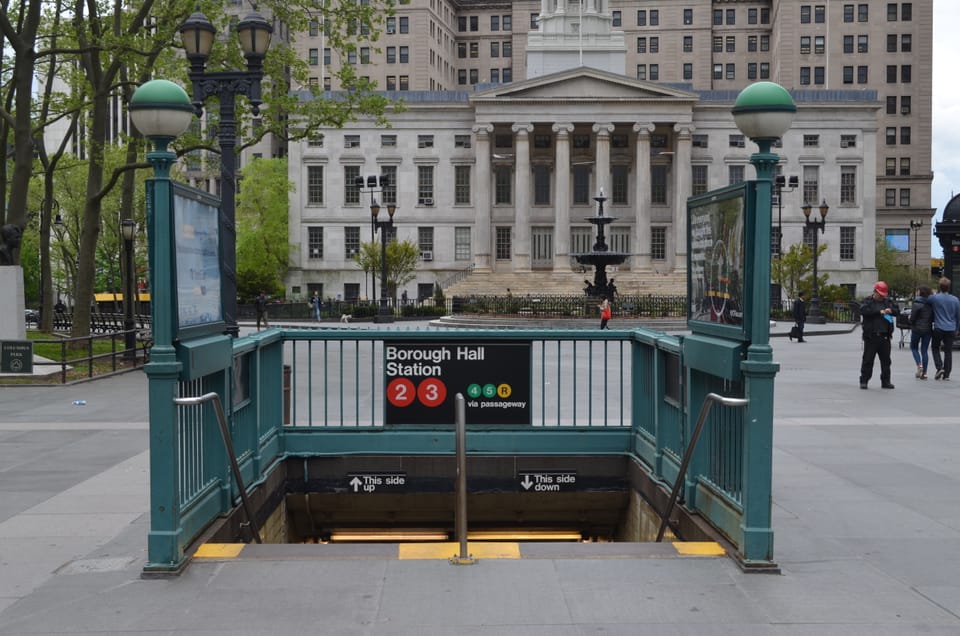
x=603, y=157
x=522, y=191
x=483, y=204
x=682, y=189
x=641, y=228
x=561, y=197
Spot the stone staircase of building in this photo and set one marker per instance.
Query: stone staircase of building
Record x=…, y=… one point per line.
x=549, y=283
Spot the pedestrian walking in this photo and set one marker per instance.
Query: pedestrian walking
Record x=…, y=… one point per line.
x=315, y=303
x=879, y=314
x=921, y=330
x=260, y=305
x=605, y=313
x=946, y=321
x=799, y=316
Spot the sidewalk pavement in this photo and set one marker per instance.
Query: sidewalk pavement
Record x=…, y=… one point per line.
x=866, y=511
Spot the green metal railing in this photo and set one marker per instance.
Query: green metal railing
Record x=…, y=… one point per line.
x=613, y=392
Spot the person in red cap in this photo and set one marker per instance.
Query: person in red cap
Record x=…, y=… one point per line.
x=879, y=315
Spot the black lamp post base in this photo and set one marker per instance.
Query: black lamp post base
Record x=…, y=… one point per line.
x=383, y=318
x=815, y=317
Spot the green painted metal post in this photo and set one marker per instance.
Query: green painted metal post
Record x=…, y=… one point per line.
x=161, y=111
x=763, y=111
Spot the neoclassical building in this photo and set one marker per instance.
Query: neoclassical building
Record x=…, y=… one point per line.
x=501, y=178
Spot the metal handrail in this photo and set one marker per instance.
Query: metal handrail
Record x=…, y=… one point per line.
x=464, y=558
x=708, y=401
x=235, y=467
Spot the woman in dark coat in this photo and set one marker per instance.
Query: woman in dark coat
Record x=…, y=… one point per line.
x=799, y=316
x=921, y=330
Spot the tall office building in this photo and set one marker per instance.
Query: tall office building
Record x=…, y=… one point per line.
x=518, y=113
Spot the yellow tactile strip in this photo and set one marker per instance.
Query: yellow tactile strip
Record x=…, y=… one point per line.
x=444, y=550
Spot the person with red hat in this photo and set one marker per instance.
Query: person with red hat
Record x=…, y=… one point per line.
x=878, y=314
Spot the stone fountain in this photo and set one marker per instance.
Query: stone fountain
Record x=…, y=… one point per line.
x=600, y=256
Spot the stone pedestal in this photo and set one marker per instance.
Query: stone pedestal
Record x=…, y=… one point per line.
x=12, y=323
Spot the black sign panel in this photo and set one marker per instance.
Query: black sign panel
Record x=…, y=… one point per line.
x=16, y=356
x=423, y=378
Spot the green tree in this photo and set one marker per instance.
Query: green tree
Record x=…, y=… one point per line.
x=793, y=271
x=402, y=260
x=263, y=246
x=892, y=269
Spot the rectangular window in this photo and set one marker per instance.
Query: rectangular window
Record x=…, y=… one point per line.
x=751, y=16
x=687, y=71
x=892, y=43
x=641, y=45
x=351, y=241
x=506, y=48
x=388, y=141
x=461, y=185
x=890, y=197
x=811, y=185
x=905, y=197
x=503, y=185
x=731, y=71
x=737, y=141
x=388, y=174
x=474, y=75
x=314, y=56
x=542, y=141
x=462, y=77
x=507, y=73
x=805, y=14
x=462, y=24
x=351, y=141
x=688, y=16
x=751, y=43
x=494, y=49
x=541, y=185
x=897, y=238
x=425, y=239
x=404, y=82
x=474, y=50
x=717, y=44
x=658, y=243
x=848, y=141
x=731, y=44
x=391, y=25
x=641, y=18
x=891, y=12
x=811, y=141
x=764, y=15
x=617, y=19
x=862, y=74
x=658, y=184
x=905, y=135
x=700, y=140
x=507, y=22
x=891, y=167
x=425, y=185
x=848, y=243
x=764, y=43
x=365, y=55
x=848, y=13
x=424, y=141
x=642, y=72
x=494, y=23
x=404, y=54
x=474, y=23
x=462, y=50
x=819, y=74
x=718, y=71
x=462, y=141
x=494, y=76
x=391, y=55
x=699, y=178
x=688, y=44
x=462, y=250
x=848, y=185
x=654, y=17
x=805, y=44
x=891, y=136
x=731, y=16
x=654, y=72
x=351, y=193
x=906, y=43
x=314, y=185
x=735, y=174
x=863, y=13
x=503, y=249
x=905, y=166
x=581, y=185
x=314, y=242
x=905, y=105
x=534, y=21
x=654, y=45
x=906, y=11
x=619, y=177
x=820, y=14
x=819, y=44
x=404, y=24
x=804, y=75
x=906, y=74
x=848, y=75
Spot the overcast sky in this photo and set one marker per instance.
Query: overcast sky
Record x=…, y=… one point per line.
x=946, y=108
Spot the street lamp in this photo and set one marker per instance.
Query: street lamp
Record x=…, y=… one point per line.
x=915, y=226
x=763, y=112
x=198, y=34
x=814, y=317
x=384, y=314
x=128, y=229
x=780, y=185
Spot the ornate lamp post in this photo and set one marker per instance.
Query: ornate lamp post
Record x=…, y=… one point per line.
x=371, y=188
x=128, y=229
x=780, y=185
x=814, y=316
x=384, y=314
x=763, y=112
x=198, y=34
x=915, y=226
x=161, y=111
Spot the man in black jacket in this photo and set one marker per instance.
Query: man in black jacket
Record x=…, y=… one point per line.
x=799, y=315
x=879, y=316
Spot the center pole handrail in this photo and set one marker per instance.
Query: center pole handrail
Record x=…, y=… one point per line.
x=708, y=402
x=235, y=467
x=463, y=558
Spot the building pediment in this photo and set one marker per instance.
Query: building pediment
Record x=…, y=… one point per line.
x=582, y=84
